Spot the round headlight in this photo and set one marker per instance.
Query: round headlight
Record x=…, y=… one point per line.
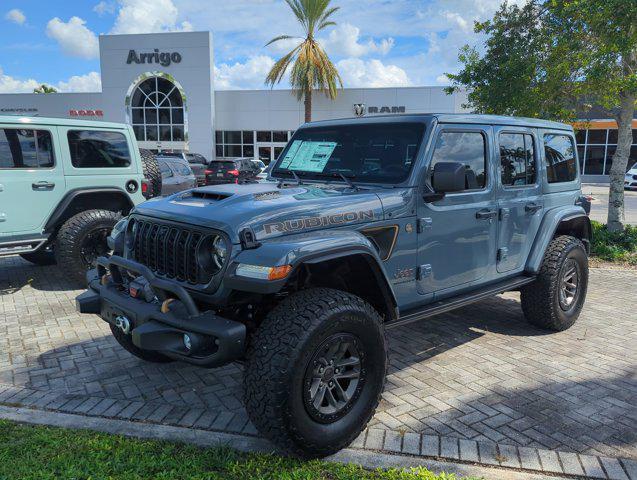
x=219, y=252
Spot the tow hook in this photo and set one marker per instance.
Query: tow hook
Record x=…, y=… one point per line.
x=123, y=324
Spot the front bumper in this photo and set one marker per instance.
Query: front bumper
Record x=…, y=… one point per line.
x=214, y=341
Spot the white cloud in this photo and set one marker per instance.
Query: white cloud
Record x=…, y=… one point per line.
x=104, y=7
x=16, y=16
x=10, y=84
x=344, y=39
x=148, y=16
x=73, y=37
x=91, y=82
x=372, y=73
x=248, y=75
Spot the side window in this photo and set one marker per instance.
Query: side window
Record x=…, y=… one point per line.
x=25, y=148
x=517, y=159
x=468, y=148
x=165, y=170
x=182, y=169
x=98, y=149
x=560, y=158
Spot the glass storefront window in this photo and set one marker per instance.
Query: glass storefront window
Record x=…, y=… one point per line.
x=597, y=137
x=580, y=136
x=595, y=160
x=248, y=136
x=279, y=136
x=264, y=136
x=612, y=137
x=232, y=137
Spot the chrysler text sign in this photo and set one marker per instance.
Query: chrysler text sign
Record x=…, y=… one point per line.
x=162, y=58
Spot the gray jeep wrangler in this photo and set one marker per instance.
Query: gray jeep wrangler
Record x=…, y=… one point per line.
x=366, y=224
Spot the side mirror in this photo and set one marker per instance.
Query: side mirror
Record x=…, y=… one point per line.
x=448, y=177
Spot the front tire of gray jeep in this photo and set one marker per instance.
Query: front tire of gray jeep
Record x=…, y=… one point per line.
x=81, y=239
x=127, y=344
x=555, y=300
x=315, y=371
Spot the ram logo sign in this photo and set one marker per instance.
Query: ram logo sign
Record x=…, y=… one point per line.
x=360, y=109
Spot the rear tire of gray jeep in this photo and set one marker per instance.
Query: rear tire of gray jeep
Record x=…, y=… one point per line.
x=82, y=239
x=150, y=169
x=555, y=300
x=127, y=343
x=44, y=256
x=315, y=371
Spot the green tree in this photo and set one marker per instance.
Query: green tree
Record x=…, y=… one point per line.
x=44, y=88
x=311, y=68
x=543, y=57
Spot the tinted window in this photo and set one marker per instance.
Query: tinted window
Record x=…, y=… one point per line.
x=25, y=148
x=182, y=169
x=517, y=159
x=467, y=148
x=164, y=169
x=560, y=158
x=98, y=149
x=382, y=153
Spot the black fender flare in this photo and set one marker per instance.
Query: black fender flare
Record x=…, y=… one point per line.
x=307, y=250
x=63, y=210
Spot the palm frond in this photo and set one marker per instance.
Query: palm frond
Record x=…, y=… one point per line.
x=280, y=37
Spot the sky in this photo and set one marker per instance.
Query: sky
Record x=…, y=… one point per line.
x=376, y=43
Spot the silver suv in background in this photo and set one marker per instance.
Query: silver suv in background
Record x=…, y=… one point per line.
x=197, y=162
x=176, y=175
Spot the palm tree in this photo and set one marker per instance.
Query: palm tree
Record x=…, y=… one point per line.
x=311, y=67
x=44, y=88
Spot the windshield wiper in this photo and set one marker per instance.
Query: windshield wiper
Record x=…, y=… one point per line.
x=297, y=179
x=348, y=181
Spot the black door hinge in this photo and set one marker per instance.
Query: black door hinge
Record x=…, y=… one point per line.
x=248, y=239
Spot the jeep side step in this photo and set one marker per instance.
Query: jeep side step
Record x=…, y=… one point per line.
x=21, y=246
x=457, y=301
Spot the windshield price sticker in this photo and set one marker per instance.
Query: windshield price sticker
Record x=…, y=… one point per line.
x=308, y=156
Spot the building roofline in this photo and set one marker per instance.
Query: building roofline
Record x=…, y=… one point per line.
x=58, y=121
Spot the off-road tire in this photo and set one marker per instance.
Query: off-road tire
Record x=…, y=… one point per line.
x=127, y=343
x=151, y=171
x=68, y=247
x=540, y=300
x=42, y=257
x=282, y=349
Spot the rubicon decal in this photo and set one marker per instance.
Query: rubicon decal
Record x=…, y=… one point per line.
x=299, y=224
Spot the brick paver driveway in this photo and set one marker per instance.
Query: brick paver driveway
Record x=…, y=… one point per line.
x=478, y=373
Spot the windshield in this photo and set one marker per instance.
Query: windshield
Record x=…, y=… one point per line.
x=375, y=153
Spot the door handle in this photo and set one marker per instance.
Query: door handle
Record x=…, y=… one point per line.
x=532, y=207
x=486, y=214
x=43, y=185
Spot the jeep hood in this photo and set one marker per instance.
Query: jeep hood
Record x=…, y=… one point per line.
x=269, y=211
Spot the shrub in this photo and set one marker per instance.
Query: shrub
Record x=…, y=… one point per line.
x=614, y=246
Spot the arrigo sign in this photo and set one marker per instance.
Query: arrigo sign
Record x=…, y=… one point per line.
x=162, y=58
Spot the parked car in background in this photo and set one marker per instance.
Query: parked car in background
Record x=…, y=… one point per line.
x=231, y=170
x=630, y=180
x=64, y=184
x=198, y=163
x=176, y=175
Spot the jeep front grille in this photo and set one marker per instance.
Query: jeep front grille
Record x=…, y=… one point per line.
x=169, y=251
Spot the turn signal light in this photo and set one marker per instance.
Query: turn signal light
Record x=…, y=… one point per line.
x=263, y=273
x=277, y=273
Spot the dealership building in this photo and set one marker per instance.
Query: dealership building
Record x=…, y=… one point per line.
x=162, y=84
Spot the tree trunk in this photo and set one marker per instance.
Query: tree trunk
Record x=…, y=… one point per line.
x=615, y=221
x=308, y=105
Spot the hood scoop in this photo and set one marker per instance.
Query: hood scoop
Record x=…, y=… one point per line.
x=267, y=195
x=203, y=195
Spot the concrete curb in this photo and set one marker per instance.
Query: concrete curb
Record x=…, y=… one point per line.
x=245, y=443
x=230, y=426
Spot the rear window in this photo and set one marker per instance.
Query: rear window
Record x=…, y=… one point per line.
x=24, y=148
x=561, y=164
x=98, y=149
x=223, y=165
